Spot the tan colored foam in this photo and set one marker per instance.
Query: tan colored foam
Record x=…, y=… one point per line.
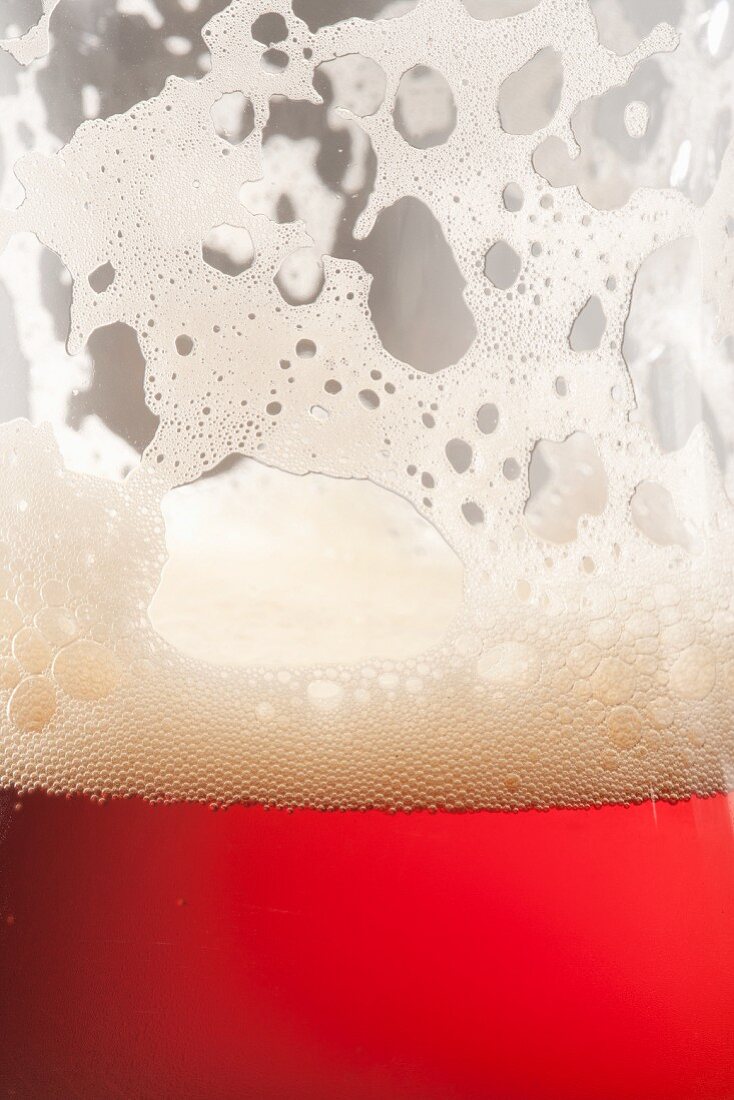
x=591, y=655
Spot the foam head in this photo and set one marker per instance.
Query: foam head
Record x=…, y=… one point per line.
x=386, y=461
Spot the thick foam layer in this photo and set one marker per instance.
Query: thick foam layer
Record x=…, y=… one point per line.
x=443, y=314
x=266, y=568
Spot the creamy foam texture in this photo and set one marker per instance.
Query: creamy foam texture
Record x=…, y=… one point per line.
x=515, y=587
x=294, y=571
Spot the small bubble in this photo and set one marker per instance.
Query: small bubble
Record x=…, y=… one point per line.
x=305, y=349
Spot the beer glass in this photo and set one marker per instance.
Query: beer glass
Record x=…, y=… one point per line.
x=366, y=477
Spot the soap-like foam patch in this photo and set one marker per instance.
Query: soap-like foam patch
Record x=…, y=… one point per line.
x=332, y=253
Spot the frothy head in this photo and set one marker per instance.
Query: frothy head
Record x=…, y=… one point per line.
x=495, y=336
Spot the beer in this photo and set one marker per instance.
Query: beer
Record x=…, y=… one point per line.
x=173, y=951
x=367, y=448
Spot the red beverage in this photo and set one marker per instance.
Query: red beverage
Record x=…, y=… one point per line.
x=169, y=950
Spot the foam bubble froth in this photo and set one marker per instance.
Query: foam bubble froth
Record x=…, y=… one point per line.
x=585, y=654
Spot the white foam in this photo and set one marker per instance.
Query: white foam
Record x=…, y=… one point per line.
x=591, y=646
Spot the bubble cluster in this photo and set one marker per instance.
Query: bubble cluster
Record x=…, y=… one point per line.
x=389, y=249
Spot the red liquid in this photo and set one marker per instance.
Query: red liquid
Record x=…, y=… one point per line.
x=178, y=952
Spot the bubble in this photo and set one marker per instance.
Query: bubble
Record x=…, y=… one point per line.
x=305, y=349
x=369, y=399
x=31, y=649
x=425, y=111
x=694, y=673
x=488, y=418
x=85, y=670
x=274, y=60
x=589, y=326
x=502, y=265
x=613, y=681
x=184, y=344
x=300, y=277
x=472, y=513
x=459, y=454
x=513, y=197
x=584, y=659
x=57, y=625
x=270, y=27
x=661, y=712
x=102, y=278
x=228, y=249
x=32, y=704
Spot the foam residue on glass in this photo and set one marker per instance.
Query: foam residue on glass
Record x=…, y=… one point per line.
x=474, y=260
